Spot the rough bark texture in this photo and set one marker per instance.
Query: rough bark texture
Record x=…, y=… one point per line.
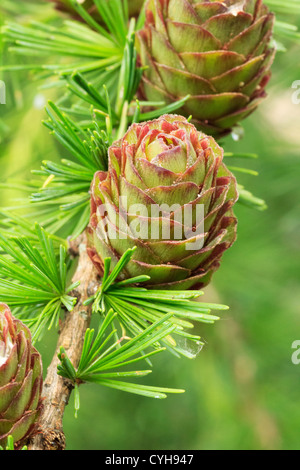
x=57, y=390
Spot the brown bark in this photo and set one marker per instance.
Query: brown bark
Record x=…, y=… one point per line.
x=57, y=390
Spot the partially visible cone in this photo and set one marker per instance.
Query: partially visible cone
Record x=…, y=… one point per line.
x=21, y=379
x=134, y=7
x=217, y=52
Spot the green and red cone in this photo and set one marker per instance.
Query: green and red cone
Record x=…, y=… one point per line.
x=158, y=163
x=134, y=7
x=21, y=380
x=219, y=53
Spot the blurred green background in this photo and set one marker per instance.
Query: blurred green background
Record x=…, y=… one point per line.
x=242, y=391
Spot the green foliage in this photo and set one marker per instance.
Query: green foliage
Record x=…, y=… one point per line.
x=34, y=279
x=138, y=307
x=99, y=51
x=103, y=363
x=10, y=444
x=65, y=185
x=246, y=198
x=153, y=319
x=284, y=28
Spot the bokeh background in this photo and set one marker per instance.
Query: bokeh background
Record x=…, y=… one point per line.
x=242, y=391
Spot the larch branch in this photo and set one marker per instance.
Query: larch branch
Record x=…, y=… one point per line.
x=57, y=390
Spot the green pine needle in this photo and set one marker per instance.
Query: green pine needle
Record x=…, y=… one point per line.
x=137, y=307
x=33, y=279
x=103, y=363
x=10, y=444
